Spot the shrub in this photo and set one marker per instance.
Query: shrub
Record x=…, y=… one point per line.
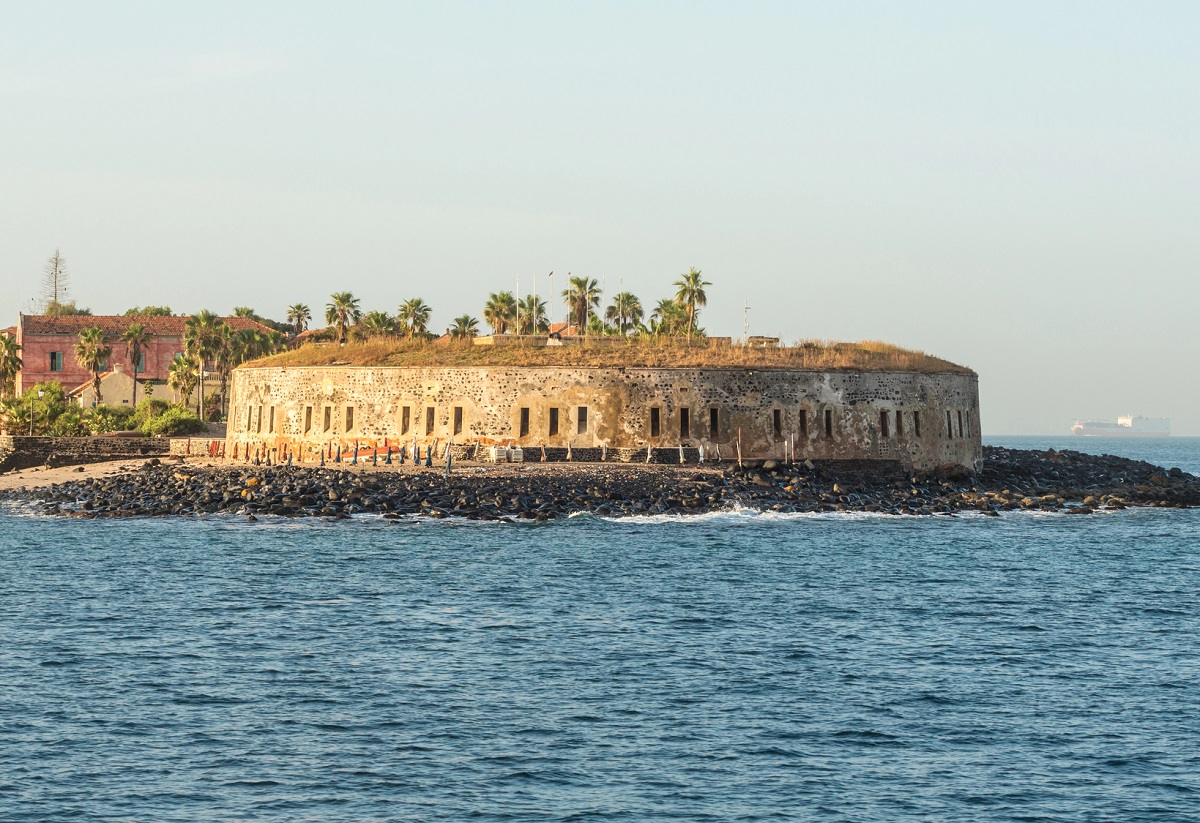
x=175, y=421
x=105, y=418
x=148, y=408
x=52, y=413
x=67, y=423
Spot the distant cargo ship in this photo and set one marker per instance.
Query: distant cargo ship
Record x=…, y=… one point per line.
x=1124, y=427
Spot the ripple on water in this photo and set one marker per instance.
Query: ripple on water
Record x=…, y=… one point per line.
x=735, y=665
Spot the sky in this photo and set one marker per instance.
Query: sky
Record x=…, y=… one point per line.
x=1012, y=186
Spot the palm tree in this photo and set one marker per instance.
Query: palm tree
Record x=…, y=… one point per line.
x=582, y=296
x=464, y=328
x=10, y=365
x=667, y=319
x=690, y=295
x=500, y=310
x=531, y=316
x=251, y=344
x=299, y=315
x=245, y=311
x=92, y=352
x=597, y=326
x=136, y=338
x=342, y=311
x=181, y=377
x=232, y=349
x=273, y=341
x=201, y=340
x=413, y=317
x=626, y=311
x=226, y=351
x=247, y=344
x=377, y=324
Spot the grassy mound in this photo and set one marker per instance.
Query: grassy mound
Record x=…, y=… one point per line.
x=815, y=355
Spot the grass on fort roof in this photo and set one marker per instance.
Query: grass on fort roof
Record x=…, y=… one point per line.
x=818, y=355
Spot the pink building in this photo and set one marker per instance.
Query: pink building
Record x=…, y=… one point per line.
x=48, y=346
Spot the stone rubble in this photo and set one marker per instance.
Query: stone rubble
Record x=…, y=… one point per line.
x=1010, y=479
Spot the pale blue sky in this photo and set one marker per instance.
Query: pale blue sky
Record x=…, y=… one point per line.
x=1014, y=186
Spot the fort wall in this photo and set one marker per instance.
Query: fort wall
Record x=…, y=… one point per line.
x=921, y=420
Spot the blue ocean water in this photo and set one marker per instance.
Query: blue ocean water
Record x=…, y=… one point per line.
x=726, y=667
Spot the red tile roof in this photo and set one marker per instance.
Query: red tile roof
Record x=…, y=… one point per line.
x=309, y=334
x=115, y=325
x=11, y=331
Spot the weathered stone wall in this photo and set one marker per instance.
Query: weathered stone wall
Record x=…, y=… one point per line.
x=923, y=421
x=26, y=452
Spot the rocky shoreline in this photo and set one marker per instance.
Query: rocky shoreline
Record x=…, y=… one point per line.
x=1011, y=479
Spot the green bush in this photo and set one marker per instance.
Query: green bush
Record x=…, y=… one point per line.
x=175, y=421
x=52, y=413
x=67, y=423
x=105, y=418
x=147, y=409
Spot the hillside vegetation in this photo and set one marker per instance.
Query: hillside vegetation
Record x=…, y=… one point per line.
x=810, y=354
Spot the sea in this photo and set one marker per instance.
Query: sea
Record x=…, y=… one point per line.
x=730, y=667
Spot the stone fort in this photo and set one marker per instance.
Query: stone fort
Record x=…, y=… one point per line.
x=922, y=420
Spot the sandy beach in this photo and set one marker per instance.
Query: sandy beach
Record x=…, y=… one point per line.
x=40, y=476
